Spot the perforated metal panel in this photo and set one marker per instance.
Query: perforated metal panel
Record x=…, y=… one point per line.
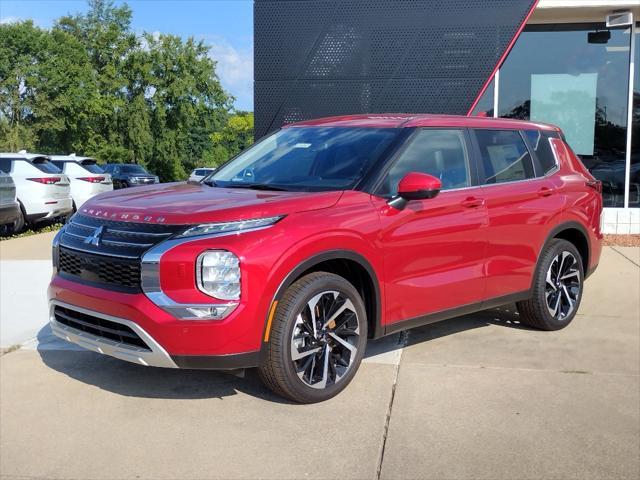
x=316, y=58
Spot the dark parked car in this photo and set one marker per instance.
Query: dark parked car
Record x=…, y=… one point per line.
x=126, y=175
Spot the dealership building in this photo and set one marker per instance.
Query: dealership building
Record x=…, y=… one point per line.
x=571, y=67
x=573, y=63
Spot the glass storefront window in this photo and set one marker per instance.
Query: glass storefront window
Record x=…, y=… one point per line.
x=564, y=75
x=634, y=183
x=485, y=105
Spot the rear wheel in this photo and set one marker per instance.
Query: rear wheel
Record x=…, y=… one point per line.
x=18, y=223
x=557, y=289
x=317, y=339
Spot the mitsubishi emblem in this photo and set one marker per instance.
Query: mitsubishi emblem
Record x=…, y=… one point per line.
x=95, y=238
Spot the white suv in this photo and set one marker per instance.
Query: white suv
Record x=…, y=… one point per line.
x=42, y=190
x=199, y=173
x=86, y=176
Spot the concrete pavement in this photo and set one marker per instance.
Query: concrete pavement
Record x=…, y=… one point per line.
x=475, y=397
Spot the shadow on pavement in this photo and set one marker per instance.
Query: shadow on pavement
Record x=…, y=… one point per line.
x=133, y=380
x=128, y=379
x=506, y=316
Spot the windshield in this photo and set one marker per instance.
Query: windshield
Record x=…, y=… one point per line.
x=133, y=169
x=307, y=159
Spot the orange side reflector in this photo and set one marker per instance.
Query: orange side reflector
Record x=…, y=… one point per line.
x=272, y=312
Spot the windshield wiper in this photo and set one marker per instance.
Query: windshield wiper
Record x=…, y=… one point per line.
x=256, y=186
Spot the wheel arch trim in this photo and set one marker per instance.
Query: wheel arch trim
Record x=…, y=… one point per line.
x=318, y=258
x=561, y=227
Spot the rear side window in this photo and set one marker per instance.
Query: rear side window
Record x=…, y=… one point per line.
x=91, y=166
x=45, y=165
x=539, y=142
x=5, y=165
x=504, y=156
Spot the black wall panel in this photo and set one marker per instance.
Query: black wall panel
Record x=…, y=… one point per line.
x=316, y=58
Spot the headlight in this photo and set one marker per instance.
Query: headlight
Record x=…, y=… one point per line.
x=223, y=227
x=218, y=274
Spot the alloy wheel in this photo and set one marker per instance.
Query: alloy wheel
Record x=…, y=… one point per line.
x=563, y=284
x=324, y=339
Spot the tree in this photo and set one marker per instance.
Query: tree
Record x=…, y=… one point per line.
x=235, y=136
x=92, y=86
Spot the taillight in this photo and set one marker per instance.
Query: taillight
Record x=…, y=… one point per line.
x=595, y=184
x=46, y=180
x=92, y=179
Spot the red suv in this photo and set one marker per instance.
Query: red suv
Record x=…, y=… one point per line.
x=325, y=234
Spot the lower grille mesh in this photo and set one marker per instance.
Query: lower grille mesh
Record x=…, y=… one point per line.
x=99, y=327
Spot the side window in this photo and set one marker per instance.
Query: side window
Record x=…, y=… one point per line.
x=5, y=165
x=441, y=153
x=504, y=156
x=539, y=141
x=59, y=164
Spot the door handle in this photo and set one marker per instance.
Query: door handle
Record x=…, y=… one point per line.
x=472, y=202
x=546, y=191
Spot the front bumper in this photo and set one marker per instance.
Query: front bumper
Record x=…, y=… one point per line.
x=172, y=343
x=154, y=356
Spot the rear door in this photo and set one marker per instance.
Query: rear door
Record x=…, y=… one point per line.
x=521, y=197
x=434, y=250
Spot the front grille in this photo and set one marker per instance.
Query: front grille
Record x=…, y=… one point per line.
x=99, y=327
x=120, y=239
x=107, y=253
x=120, y=274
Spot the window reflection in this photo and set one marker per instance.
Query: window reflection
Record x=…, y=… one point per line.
x=556, y=74
x=634, y=184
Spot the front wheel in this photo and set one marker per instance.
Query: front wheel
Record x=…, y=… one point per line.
x=316, y=340
x=557, y=288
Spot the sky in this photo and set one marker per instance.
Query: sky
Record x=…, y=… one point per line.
x=225, y=25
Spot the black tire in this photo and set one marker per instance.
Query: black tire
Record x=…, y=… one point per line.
x=18, y=223
x=537, y=311
x=293, y=315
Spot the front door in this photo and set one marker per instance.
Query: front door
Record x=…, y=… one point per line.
x=434, y=249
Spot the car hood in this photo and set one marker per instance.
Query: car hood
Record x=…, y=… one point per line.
x=184, y=203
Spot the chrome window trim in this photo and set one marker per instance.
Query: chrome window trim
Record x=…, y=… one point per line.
x=157, y=356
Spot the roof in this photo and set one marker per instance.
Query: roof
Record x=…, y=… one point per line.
x=70, y=158
x=22, y=155
x=404, y=120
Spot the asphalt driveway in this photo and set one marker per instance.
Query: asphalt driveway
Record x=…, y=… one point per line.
x=475, y=397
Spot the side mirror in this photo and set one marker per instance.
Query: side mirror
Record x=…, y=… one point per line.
x=415, y=186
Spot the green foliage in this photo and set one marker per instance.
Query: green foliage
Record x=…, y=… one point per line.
x=235, y=136
x=91, y=85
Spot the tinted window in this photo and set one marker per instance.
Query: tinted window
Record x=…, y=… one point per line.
x=504, y=155
x=133, y=169
x=308, y=158
x=441, y=153
x=91, y=166
x=5, y=165
x=539, y=141
x=203, y=171
x=45, y=165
